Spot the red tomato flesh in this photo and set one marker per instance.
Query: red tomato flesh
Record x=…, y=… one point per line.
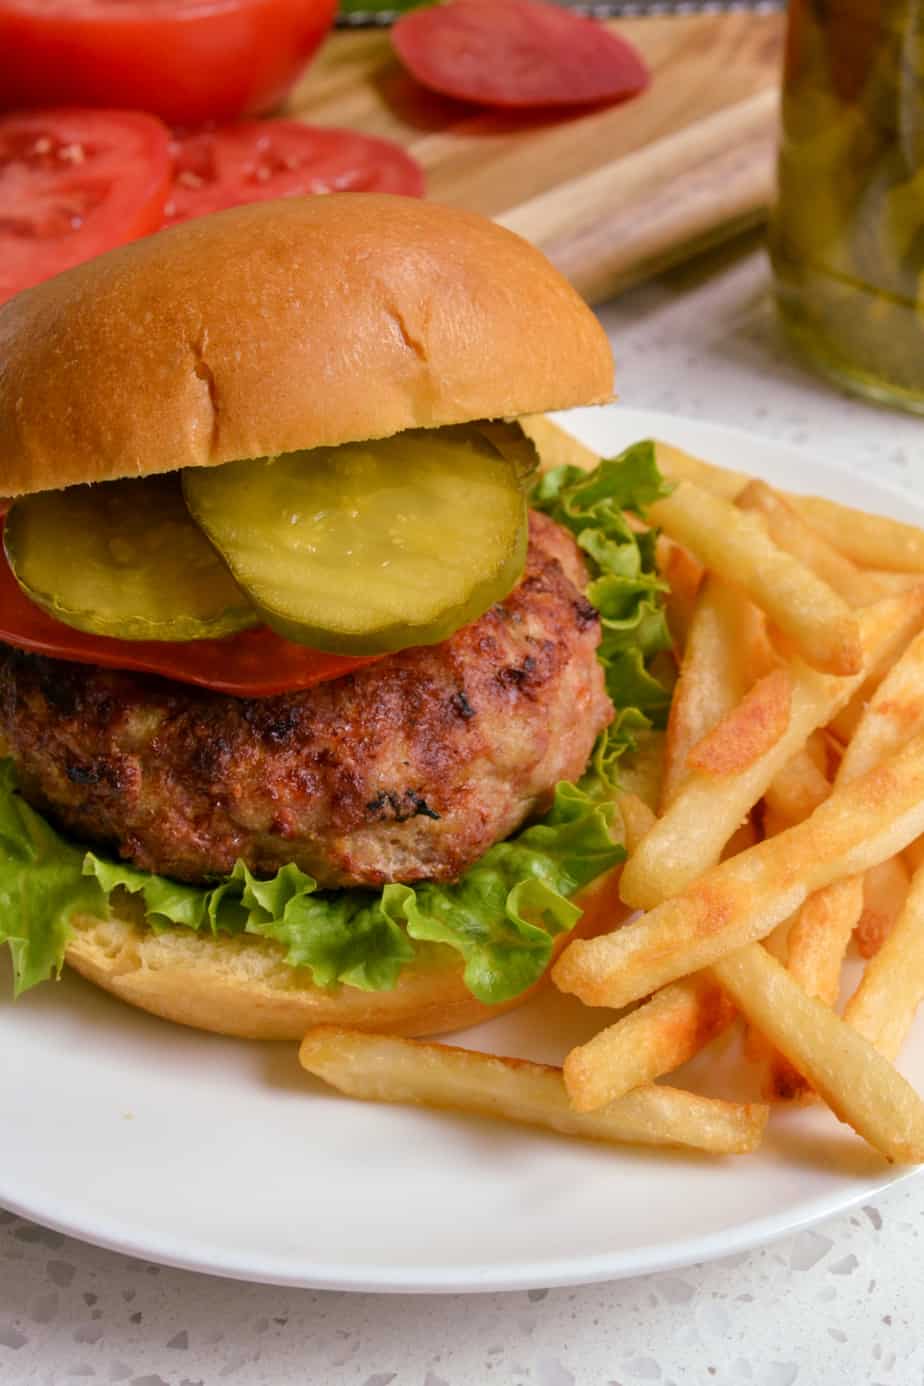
x=73, y=184
x=517, y=53
x=251, y=664
x=254, y=161
x=185, y=60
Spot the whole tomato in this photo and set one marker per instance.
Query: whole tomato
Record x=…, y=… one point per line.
x=187, y=61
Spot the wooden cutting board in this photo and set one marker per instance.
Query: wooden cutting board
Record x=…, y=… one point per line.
x=611, y=194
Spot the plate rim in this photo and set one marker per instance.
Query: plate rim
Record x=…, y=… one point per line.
x=576, y=1269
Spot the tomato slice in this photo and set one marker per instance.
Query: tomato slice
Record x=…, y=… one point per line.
x=256, y=160
x=252, y=664
x=185, y=60
x=73, y=184
x=517, y=53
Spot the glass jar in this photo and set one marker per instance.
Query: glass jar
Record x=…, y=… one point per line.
x=847, y=234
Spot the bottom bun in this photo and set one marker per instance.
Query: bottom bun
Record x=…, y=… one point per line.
x=241, y=986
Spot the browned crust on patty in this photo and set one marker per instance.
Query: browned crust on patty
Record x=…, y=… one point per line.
x=407, y=769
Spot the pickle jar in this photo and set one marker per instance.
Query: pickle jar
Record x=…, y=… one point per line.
x=847, y=233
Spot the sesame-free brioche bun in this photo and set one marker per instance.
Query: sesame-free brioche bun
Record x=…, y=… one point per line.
x=285, y=325
x=242, y=986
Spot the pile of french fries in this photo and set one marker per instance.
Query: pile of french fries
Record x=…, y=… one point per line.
x=787, y=829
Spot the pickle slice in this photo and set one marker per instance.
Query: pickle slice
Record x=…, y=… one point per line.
x=369, y=547
x=123, y=558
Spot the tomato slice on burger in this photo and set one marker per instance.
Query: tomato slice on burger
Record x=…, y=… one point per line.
x=257, y=160
x=252, y=664
x=185, y=60
x=73, y=184
x=517, y=53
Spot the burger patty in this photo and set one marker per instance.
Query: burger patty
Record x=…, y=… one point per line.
x=407, y=769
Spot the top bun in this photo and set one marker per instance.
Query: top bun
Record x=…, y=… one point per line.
x=285, y=325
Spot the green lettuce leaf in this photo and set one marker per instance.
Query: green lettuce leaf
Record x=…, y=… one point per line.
x=625, y=587
x=42, y=887
x=501, y=917
x=504, y=913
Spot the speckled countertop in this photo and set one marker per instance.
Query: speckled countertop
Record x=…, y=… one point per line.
x=838, y=1304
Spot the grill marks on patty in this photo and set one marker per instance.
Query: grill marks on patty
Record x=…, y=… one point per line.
x=408, y=769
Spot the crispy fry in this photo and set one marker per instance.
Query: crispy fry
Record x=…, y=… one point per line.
x=871, y=541
x=819, y=937
x=712, y=679
x=683, y=573
x=791, y=532
x=892, y=986
x=871, y=904
x=818, y=943
x=637, y=819
x=691, y=834
x=743, y=899
x=894, y=713
x=656, y=1038
x=885, y=889
x=894, y=582
x=749, y=731
x=642, y=770
x=386, y=1069
x=796, y=790
x=857, y=1083
x=736, y=545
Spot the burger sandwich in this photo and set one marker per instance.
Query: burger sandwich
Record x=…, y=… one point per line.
x=312, y=685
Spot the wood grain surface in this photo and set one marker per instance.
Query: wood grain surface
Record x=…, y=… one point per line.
x=609, y=194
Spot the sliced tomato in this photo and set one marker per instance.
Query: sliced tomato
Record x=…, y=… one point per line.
x=252, y=664
x=256, y=160
x=517, y=53
x=185, y=60
x=73, y=184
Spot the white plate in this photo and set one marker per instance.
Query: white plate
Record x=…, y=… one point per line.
x=222, y=1156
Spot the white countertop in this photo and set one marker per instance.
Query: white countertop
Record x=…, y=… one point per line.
x=837, y=1304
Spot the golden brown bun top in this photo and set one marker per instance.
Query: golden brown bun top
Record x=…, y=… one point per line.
x=285, y=325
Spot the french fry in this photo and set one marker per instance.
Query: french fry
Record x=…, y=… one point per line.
x=641, y=771
x=816, y=941
x=894, y=713
x=637, y=819
x=742, y=899
x=656, y=1038
x=894, y=582
x=857, y=1083
x=683, y=574
x=690, y=836
x=383, y=1068
x=736, y=545
x=885, y=889
x=711, y=679
x=871, y=541
x=819, y=937
x=892, y=986
x=749, y=731
x=818, y=751
x=797, y=789
x=791, y=532
x=870, y=904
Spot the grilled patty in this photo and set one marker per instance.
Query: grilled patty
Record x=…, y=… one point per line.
x=407, y=769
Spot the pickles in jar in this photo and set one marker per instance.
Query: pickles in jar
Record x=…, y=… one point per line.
x=124, y=559
x=370, y=547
